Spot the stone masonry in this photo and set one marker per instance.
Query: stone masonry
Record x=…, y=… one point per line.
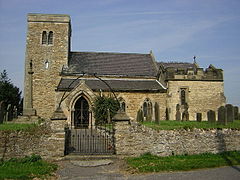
x=136, y=139
x=202, y=96
x=45, y=79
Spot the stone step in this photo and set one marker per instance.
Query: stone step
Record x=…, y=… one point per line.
x=73, y=157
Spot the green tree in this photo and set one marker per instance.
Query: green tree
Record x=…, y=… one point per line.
x=9, y=93
x=101, y=106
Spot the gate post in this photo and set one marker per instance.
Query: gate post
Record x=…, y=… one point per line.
x=58, y=124
x=121, y=124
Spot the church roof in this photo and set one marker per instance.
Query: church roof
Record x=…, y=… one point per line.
x=177, y=65
x=111, y=64
x=117, y=85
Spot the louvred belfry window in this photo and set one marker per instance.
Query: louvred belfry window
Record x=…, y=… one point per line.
x=44, y=37
x=50, y=37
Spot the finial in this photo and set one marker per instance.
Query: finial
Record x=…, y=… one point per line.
x=194, y=59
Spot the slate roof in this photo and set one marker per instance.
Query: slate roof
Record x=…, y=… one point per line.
x=115, y=84
x=177, y=65
x=117, y=64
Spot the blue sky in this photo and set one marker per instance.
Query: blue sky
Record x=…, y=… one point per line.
x=175, y=30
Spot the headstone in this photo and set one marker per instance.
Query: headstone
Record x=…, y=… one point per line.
x=230, y=115
x=167, y=114
x=2, y=111
x=140, y=115
x=15, y=112
x=7, y=118
x=157, y=113
x=178, y=113
x=199, y=117
x=236, y=110
x=185, y=114
x=211, y=115
x=222, y=115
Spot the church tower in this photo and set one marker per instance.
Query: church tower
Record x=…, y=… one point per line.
x=47, y=50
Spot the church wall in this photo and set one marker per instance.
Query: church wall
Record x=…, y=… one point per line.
x=134, y=101
x=201, y=97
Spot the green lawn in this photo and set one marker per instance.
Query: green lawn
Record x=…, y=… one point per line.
x=151, y=163
x=170, y=125
x=16, y=127
x=26, y=168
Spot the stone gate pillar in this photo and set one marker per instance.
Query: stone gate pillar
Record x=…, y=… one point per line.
x=121, y=125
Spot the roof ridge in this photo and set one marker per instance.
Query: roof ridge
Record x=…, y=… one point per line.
x=103, y=52
x=175, y=62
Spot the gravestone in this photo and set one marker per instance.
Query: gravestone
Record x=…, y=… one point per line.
x=167, y=114
x=2, y=111
x=211, y=115
x=157, y=113
x=140, y=115
x=236, y=110
x=178, y=113
x=8, y=113
x=229, y=111
x=199, y=117
x=222, y=119
x=185, y=114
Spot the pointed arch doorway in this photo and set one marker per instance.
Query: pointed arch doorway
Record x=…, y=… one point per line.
x=81, y=113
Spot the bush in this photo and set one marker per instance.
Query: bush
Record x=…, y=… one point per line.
x=101, y=106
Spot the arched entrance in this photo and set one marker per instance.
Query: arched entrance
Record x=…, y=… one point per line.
x=81, y=113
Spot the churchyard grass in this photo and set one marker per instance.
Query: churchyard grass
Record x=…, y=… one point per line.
x=170, y=125
x=151, y=163
x=26, y=168
x=16, y=127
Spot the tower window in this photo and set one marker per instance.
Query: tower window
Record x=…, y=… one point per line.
x=46, y=64
x=50, y=37
x=44, y=37
x=47, y=38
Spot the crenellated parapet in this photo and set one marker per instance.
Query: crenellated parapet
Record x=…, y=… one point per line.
x=188, y=71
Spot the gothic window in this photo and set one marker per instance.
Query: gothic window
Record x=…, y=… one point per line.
x=147, y=108
x=50, y=37
x=44, y=37
x=183, y=96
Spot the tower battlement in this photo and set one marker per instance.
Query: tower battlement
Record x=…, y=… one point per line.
x=48, y=18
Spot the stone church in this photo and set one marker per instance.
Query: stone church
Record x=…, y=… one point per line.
x=61, y=84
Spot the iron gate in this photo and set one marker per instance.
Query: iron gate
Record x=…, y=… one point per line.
x=98, y=139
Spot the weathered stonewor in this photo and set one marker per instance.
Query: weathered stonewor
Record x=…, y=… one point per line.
x=43, y=141
x=211, y=115
x=199, y=117
x=230, y=113
x=178, y=113
x=135, y=139
x=236, y=110
x=222, y=115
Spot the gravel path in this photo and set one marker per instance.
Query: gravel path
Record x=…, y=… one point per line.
x=114, y=170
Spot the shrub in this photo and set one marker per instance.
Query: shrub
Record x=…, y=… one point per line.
x=101, y=106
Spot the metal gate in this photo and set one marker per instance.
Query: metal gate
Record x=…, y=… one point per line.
x=98, y=139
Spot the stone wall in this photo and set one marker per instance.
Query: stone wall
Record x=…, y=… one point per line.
x=201, y=97
x=41, y=140
x=136, y=139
